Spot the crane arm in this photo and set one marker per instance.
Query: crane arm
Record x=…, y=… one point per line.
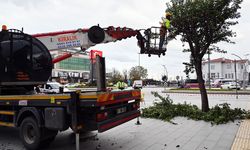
x=86, y=38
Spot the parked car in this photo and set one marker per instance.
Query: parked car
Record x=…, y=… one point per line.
x=230, y=85
x=218, y=82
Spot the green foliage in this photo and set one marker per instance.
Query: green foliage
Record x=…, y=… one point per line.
x=202, y=24
x=166, y=110
x=189, y=67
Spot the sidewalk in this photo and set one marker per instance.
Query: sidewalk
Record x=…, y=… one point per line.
x=151, y=135
x=159, y=135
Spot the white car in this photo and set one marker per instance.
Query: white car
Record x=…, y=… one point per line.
x=52, y=87
x=230, y=85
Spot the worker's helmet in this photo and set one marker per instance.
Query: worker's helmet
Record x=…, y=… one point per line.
x=168, y=14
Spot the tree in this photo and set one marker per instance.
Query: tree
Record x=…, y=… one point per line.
x=189, y=67
x=202, y=24
x=138, y=73
x=115, y=76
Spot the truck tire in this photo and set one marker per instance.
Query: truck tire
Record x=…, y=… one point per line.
x=30, y=133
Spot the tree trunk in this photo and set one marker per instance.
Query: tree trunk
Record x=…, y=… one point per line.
x=203, y=91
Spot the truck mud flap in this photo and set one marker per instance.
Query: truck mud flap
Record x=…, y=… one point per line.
x=108, y=124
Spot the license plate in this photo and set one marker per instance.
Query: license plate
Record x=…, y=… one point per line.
x=121, y=110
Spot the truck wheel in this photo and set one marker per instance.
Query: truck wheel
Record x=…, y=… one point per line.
x=30, y=133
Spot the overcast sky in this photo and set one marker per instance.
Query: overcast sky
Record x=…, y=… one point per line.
x=56, y=15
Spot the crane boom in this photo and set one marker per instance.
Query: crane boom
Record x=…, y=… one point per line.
x=83, y=38
x=86, y=38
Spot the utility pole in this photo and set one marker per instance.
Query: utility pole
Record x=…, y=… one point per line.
x=235, y=71
x=244, y=72
x=247, y=77
x=209, y=81
x=139, y=59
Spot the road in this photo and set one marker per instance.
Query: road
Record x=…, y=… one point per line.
x=152, y=134
x=243, y=101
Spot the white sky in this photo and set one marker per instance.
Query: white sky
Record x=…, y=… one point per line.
x=56, y=15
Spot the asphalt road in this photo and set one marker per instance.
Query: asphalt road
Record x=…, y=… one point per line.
x=123, y=137
x=243, y=101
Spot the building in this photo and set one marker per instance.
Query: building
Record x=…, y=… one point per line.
x=73, y=69
x=222, y=68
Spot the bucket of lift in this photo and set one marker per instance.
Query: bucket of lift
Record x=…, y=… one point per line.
x=149, y=42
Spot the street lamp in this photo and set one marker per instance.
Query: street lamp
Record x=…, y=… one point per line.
x=166, y=73
x=247, y=64
x=244, y=72
x=139, y=59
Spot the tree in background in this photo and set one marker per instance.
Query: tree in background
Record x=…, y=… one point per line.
x=115, y=76
x=202, y=24
x=138, y=73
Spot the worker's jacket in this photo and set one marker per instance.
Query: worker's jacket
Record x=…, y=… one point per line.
x=167, y=23
x=120, y=85
x=164, y=26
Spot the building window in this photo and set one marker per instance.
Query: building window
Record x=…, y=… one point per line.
x=232, y=75
x=226, y=76
x=212, y=67
x=229, y=66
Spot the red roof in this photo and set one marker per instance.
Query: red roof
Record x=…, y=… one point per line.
x=224, y=60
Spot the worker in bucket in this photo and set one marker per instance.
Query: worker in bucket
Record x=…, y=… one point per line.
x=165, y=25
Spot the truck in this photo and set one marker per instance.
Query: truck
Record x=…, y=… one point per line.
x=26, y=62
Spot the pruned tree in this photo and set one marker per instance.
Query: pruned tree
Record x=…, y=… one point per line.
x=202, y=24
x=137, y=73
